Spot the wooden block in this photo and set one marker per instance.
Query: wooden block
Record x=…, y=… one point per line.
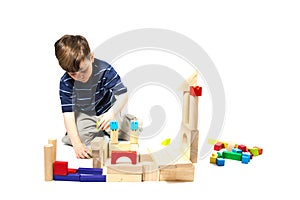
x=174, y=173
x=123, y=168
x=195, y=91
x=260, y=150
x=134, y=135
x=72, y=171
x=115, y=155
x=53, y=141
x=97, y=146
x=123, y=146
x=220, y=161
x=69, y=177
x=48, y=162
x=185, y=107
x=145, y=158
x=114, y=136
x=92, y=178
x=150, y=172
x=86, y=170
x=97, y=143
x=213, y=158
x=232, y=155
x=194, y=146
x=193, y=113
x=60, y=168
x=123, y=178
x=105, y=151
x=218, y=146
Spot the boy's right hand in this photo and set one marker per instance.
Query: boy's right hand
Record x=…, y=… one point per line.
x=81, y=151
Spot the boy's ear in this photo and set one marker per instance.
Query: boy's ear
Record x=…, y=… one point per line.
x=92, y=57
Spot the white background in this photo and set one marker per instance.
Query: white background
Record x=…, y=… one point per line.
x=255, y=46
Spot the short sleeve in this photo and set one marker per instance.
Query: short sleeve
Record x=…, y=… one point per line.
x=66, y=95
x=112, y=81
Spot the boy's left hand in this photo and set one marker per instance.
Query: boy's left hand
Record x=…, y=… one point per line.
x=104, y=120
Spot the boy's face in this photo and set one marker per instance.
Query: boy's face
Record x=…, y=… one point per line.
x=85, y=70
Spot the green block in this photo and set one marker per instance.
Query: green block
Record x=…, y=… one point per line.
x=254, y=151
x=232, y=155
x=220, y=155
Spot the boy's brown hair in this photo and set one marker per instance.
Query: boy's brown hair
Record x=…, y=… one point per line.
x=70, y=50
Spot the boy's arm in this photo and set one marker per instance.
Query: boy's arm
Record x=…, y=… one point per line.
x=119, y=104
x=70, y=124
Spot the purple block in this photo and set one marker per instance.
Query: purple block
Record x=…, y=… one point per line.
x=82, y=170
x=92, y=178
x=69, y=177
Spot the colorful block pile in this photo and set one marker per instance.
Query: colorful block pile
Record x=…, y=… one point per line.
x=233, y=152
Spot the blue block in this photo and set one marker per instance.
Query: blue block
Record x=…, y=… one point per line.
x=113, y=125
x=95, y=171
x=134, y=125
x=92, y=178
x=69, y=177
x=245, y=157
x=236, y=150
x=220, y=161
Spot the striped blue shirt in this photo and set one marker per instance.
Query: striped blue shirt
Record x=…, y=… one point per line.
x=94, y=97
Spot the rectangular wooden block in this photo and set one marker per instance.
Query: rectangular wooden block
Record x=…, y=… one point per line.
x=123, y=146
x=150, y=172
x=173, y=173
x=123, y=168
x=123, y=177
x=194, y=146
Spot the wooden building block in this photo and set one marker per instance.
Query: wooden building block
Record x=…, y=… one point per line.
x=115, y=155
x=194, y=146
x=69, y=177
x=53, y=141
x=242, y=147
x=186, y=108
x=92, y=178
x=213, y=158
x=150, y=172
x=134, y=136
x=232, y=155
x=60, y=168
x=48, y=162
x=114, y=136
x=177, y=173
x=220, y=161
x=193, y=113
x=123, y=146
x=260, y=150
x=97, y=145
x=145, y=157
x=218, y=146
x=123, y=168
x=86, y=170
x=123, y=178
x=72, y=171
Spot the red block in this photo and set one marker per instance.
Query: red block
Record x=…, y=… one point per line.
x=72, y=171
x=242, y=147
x=60, y=168
x=250, y=153
x=115, y=155
x=195, y=91
x=218, y=146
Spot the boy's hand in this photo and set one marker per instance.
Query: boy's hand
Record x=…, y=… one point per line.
x=104, y=120
x=81, y=151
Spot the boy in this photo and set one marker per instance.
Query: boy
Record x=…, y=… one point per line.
x=90, y=91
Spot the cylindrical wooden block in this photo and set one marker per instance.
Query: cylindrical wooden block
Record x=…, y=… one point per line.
x=185, y=107
x=48, y=162
x=54, y=142
x=193, y=117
